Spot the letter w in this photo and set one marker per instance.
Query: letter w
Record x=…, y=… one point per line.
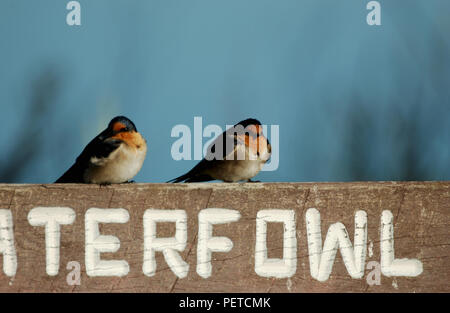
x=321, y=261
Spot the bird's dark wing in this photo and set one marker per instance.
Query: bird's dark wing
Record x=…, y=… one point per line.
x=221, y=147
x=99, y=148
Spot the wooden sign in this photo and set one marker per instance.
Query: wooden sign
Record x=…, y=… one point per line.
x=253, y=237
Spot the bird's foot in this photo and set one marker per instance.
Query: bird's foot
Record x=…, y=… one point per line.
x=130, y=182
x=104, y=184
x=253, y=181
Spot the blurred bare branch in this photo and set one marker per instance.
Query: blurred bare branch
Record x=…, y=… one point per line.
x=29, y=140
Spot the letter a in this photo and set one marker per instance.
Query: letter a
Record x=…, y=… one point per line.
x=74, y=16
x=374, y=16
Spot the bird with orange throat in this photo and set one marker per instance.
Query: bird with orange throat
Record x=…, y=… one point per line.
x=115, y=156
x=238, y=154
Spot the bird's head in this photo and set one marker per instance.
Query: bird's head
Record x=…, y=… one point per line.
x=121, y=124
x=117, y=126
x=250, y=131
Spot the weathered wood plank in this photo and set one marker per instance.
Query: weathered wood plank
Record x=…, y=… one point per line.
x=421, y=212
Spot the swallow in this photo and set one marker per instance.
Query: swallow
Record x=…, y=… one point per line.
x=115, y=156
x=238, y=154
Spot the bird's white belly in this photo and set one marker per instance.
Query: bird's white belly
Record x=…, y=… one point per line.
x=121, y=166
x=245, y=170
x=244, y=166
x=236, y=170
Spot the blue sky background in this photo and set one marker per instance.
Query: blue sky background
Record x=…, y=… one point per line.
x=353, y=101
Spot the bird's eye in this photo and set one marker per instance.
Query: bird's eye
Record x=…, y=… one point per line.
x=124, y=129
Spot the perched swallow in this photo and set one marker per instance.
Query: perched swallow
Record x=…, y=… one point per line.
x=237, y=154
x=115, y=156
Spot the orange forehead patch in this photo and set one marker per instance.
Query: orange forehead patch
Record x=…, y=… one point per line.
x=118, y=126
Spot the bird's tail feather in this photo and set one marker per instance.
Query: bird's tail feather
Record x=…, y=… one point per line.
x=196, y=174
x=178, y=179
x=188, y=178
x=72, y=175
